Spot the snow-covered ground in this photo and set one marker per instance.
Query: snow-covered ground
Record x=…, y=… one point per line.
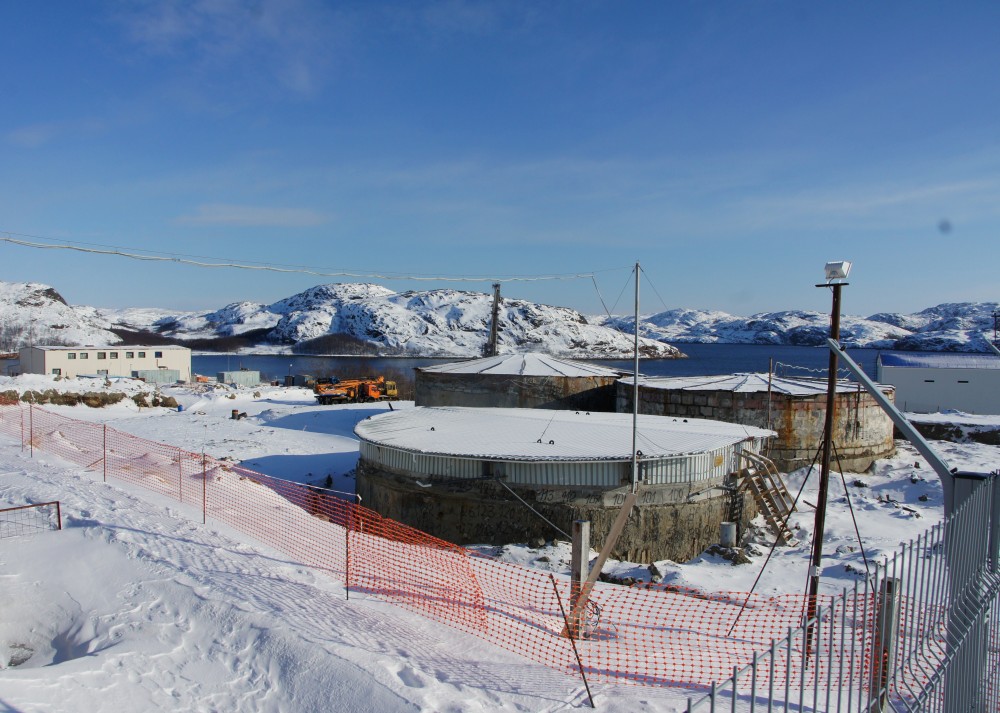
x=136, y=605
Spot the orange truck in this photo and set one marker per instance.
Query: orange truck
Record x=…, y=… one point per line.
x=349, y=391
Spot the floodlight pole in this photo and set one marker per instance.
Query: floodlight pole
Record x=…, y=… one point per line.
x=824, y=475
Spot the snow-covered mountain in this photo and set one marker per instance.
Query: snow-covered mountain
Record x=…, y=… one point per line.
x=965, y=326
x=32, y=313
x=358, y=317
x=353, y=317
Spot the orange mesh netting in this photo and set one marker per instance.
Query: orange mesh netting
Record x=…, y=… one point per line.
x=648, y=634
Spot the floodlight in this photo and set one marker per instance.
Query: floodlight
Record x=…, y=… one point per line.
x=837, y=270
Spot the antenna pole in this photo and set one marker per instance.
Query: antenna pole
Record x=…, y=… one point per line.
x=824, y=474
x=635, y=390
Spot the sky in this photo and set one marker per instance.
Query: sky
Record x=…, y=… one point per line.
x=730, y=148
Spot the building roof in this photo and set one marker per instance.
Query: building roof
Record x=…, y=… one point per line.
x=530, y=364
x=746, y=384
x=939, y=360
x=116, y=347
x=537, y=435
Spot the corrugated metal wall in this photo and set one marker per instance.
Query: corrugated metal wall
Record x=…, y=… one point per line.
x=688, y=468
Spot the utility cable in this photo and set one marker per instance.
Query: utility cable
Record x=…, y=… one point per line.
x=527, y=505
x=657, y=292
x=188, y=260
x=864, y=555
x=618, y=299
x=774, y=545
x=606, y=310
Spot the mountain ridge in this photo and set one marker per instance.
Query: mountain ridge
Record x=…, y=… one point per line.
x=363, y=318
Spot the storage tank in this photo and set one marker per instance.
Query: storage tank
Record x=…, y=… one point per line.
x=499, y=475
x=529, y=380
x=794, y=407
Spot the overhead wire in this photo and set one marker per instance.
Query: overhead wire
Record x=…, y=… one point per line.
x=199, y=261
x=657, y=292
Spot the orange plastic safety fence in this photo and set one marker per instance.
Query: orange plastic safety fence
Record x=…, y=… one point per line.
x=649, y=634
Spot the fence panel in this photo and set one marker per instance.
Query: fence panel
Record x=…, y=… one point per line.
x=29, y=519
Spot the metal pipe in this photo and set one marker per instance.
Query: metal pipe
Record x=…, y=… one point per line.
x=936, y=462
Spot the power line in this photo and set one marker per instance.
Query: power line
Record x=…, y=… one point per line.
x=267, y=267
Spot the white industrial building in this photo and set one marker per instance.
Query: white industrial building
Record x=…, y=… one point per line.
x=162, y=364
x=933, y=382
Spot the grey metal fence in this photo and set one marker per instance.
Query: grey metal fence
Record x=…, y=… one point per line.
x=922, y=633
x=29, y=519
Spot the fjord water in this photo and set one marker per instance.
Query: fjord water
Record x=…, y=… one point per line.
x=703, y=359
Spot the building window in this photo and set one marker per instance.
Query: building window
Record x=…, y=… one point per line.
x=130, y=355
x=71, y=355
x=102, y=372
x=928, y=381
x=84, y=355
x=142, y=355
x=102, y=355
x=961, y=381
x=114, y=355
x=56, y=372
x=157, y=355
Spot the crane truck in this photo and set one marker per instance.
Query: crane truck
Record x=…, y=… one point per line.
x=345, y=391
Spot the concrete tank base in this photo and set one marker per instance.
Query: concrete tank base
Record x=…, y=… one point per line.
x=675, y=522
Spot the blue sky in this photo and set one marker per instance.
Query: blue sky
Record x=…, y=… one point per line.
x=730, y=147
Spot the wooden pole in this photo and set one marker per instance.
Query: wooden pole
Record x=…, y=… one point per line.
x=579, y=565
x=824, y=475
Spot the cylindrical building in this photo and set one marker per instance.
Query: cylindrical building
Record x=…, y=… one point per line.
x=793, y=407
x=500, y=475
x=518, y=381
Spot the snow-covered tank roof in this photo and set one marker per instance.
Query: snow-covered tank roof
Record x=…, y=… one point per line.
x=940, y=360
x=530, y=364
x=536, y=435
x=746, y=384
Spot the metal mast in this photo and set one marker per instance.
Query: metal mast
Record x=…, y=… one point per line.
x=635, y=389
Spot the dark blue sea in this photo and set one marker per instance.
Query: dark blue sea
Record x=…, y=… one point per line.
x=703, y=359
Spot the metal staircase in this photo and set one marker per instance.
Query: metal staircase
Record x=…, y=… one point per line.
x=773, y=500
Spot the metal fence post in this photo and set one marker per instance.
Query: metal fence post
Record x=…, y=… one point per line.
x=104, y=453
x=31, y=429
x=579, y=572
x=884, y=642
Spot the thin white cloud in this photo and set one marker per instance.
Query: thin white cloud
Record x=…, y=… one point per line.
x=253, y=216
x=35, y=136
x=290, y=41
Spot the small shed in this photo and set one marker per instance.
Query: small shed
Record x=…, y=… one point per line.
x=530, y=380
x=243, y=377
x=795, y=407
x=158, y=376
x=930, y=382
x=477, y=475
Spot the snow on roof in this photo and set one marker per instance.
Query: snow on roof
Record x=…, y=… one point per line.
x=535, y=434
x=939, y=360
x=746, y=384
x=530, y=364
x=59, y=348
